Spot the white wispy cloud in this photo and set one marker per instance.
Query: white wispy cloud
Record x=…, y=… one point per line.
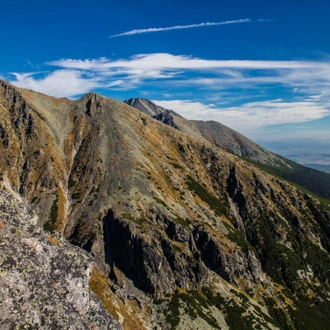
x=164, y=61
x=60, y=83
x=182, y=27
x=190, y=72
x=181, y=71
x=221, y=82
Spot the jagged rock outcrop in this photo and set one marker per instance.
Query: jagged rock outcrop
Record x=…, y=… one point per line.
x=150, y=261
x=166, y=117
x=137, y=258
x=146, y=106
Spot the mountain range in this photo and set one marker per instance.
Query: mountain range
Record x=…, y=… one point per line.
x=181, y=224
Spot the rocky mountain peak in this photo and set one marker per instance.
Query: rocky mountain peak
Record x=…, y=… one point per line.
x=145, y=105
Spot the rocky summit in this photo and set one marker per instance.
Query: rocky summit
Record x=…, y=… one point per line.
x=128, y=215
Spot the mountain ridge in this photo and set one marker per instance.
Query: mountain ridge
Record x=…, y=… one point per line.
x=185, y=234
x=228, y=139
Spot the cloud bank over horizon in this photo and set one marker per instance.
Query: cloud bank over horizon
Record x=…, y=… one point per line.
x=253, y=114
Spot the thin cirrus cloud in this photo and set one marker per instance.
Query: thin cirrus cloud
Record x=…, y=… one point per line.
x=190, y=26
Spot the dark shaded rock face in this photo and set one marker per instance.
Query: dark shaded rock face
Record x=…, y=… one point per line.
x=4, y=137
x=166, y=117
x=154, y=268
x=211, y=254
x=235, y=192
x=188, y=273
x=138, y=259
x=44, y=283
x=241, y=264
x=177, y=233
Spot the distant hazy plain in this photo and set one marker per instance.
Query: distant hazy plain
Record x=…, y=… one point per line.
x=308, y=152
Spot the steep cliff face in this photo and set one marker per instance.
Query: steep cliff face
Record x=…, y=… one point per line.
x=188, y=234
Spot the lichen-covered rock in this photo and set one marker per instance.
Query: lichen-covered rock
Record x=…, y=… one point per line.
x=44, y=282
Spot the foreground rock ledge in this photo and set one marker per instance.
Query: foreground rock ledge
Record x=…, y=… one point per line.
x=44, y=283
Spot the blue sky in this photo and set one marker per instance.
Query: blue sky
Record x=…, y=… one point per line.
x=260, y=67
